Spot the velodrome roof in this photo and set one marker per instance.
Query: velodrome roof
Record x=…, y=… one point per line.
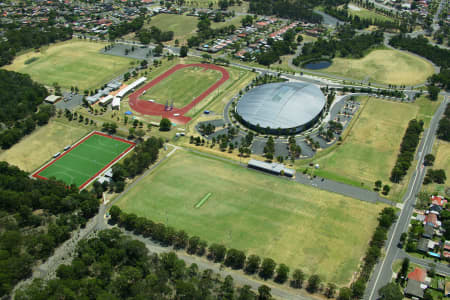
x=281, y=105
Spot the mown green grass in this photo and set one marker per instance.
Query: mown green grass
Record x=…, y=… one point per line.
x=74, y=63
x=183, y=86
x=181, y=25
x=384, y=66
x=85, y=160
x=303, y=227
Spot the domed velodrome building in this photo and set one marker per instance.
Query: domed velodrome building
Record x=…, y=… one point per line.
x=281, y=108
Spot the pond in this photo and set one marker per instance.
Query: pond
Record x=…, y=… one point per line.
x=317, y=64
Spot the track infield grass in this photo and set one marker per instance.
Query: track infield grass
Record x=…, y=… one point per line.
x=370, y=149
x=72, y=63
x=183, y=86
x=303, y=227
x=384, y=66
x=38, y=147
x=85, y=159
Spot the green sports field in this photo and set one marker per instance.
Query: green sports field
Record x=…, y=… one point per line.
x=73, y=63
x=183, y=86
x=84, y=160
x=303, y=227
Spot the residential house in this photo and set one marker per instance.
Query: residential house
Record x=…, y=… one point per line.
x=432, y=219
x=414, y=289
x=428, y=231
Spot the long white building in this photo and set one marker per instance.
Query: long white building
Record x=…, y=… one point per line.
x=116, y=101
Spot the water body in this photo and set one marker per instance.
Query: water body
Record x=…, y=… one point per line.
x=317, y=65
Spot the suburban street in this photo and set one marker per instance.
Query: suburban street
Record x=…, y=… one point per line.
x=383, y=270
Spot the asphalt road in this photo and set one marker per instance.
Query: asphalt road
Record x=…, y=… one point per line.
x=383, y=270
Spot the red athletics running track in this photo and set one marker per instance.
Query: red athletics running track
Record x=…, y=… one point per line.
x=156, y=109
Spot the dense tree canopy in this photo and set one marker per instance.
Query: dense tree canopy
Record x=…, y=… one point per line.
x=21, y=100
x=126, y=27
x=26, y=236
x=113, y=266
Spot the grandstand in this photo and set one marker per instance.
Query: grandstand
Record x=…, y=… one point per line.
x=116, y=101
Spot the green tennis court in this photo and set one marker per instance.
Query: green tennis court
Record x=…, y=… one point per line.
x=85, y=160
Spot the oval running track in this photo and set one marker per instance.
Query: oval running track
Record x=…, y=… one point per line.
x=157, y=109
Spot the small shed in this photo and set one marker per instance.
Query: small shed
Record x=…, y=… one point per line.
x=52, y=99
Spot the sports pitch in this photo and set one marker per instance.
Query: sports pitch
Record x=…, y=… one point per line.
x=86, y=159
x=73, y=63
x=183, y=86
x=303, y=227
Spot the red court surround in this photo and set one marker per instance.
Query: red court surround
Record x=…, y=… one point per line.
x=82, y=186
x=157, y=109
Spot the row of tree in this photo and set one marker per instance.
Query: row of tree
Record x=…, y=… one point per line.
x=407, y=149
x=114, y=266
x=386, y=218
x=144, y=154
x=154, y=34
x=443, y=131
x=266, y=78
x=167, y=236
x=27, y=37
x=28, y=236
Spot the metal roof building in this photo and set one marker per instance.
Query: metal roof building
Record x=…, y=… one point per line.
x=284, y=107
x=273, y=168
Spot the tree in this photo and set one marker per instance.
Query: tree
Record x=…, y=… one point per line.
x=429, y=159
x=282, y=273
x=264, y=292
x=403, y=271
x=358, y=287
x=252, y=264
x=158, y=50
x=313, y=283
x=140, y=133
x=378, y=185
x=165, y=124
x=183, y=51
x=131, y=132
x=267, y=268
x=386, y=189
x=297, y=279
x=345, y=294
x=235, y=259
x=433, y=92
x=331, y=290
